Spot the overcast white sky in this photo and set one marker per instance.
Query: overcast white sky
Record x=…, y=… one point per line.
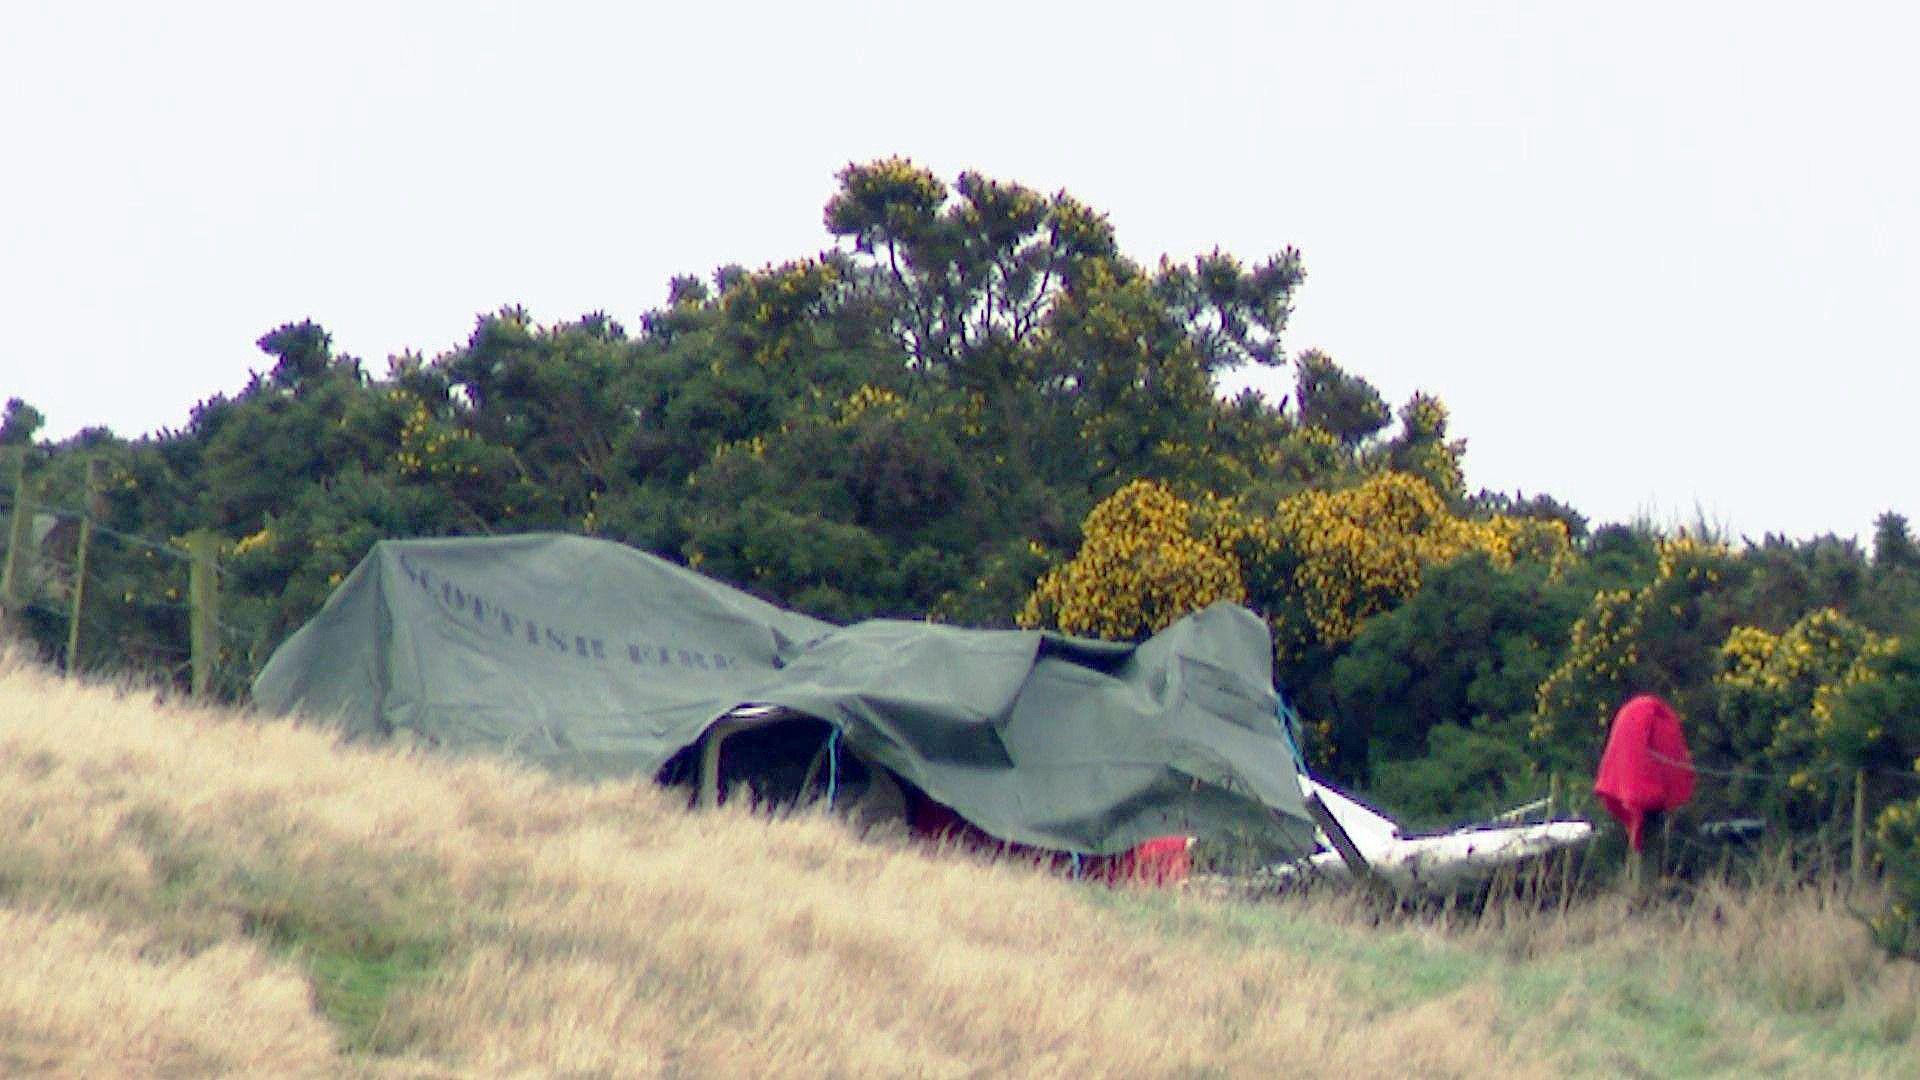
x=1652, y=255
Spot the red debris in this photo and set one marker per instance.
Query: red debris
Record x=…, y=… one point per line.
x=1164, y=860
x=1646, y=768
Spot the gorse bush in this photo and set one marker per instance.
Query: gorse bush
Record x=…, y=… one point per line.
x=1774, y=708
x=1663, y=635
x=1340, y=557
x=1320, y=565
x=1146, y=559
x=1897, y=835
x=1870, y=719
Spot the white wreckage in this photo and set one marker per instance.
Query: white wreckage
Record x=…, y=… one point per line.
x=1439, y=864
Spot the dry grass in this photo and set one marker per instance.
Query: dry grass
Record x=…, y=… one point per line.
x=77, y=997
x=185, y=891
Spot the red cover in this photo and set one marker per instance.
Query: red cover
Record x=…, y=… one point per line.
x=1165, y=860
x=1646, y=768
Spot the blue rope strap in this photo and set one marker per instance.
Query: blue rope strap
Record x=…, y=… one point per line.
x=1290, y=730
x=833, y=766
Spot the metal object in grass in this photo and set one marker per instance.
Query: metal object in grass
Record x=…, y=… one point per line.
x=1443, y=863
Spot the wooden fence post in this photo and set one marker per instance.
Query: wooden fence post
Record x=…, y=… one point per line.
x=19, y=563
x=203, y=596
x=92, y=510
x=1859, y=827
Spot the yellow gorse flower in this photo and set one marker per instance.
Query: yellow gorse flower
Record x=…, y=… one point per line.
x=1362, y=550
x=1604, y=647
x=254, y=542
x=1148, y=556
x=429, y=445
x=1141, y=566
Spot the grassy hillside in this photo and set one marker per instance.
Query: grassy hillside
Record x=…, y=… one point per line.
x=189, y=891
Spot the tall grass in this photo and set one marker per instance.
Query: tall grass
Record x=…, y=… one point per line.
x=1764, y=971
x=189, y=891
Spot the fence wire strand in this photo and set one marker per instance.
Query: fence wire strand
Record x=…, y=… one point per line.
x=70, y=514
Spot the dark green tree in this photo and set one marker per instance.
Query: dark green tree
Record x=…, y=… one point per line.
x=18, y=423
x=1469, y=649
x=1345, y=406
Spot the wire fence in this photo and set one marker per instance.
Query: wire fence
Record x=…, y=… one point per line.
x=67, y=513
x=58, y=586
x=1784, y=777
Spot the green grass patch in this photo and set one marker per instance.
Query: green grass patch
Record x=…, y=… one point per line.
x=1385, y=967
x=353, y=987
x=361, y=924
x=354, y=959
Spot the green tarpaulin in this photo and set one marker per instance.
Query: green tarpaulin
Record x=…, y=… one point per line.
x=595, y=659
